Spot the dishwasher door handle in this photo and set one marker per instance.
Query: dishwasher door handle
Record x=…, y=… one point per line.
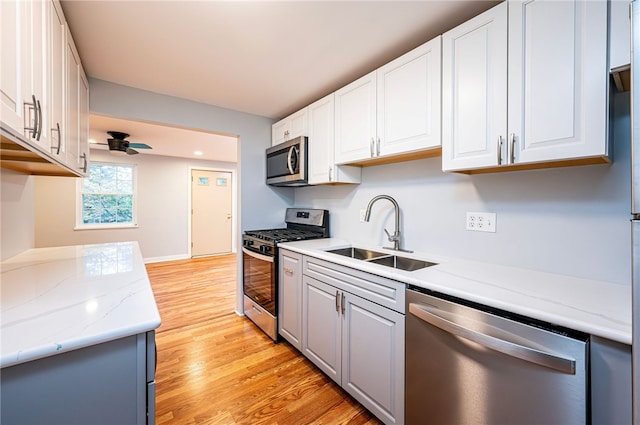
x=550, y=360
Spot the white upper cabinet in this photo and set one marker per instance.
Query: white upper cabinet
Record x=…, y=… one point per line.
x=295, y=125
x=474, y=91
x=356, y=120
x=408, y=100
x=11, y=67
x=41, y=92
x=322, y=168
x=392, y=111
x=619, y=34
x=57, y=83
x=556, y=108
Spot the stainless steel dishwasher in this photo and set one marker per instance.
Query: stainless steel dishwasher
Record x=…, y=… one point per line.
x=469, y=364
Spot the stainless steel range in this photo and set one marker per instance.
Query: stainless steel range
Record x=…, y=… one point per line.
x=260, y=263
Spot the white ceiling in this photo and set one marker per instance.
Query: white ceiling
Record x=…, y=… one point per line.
x=261, y=57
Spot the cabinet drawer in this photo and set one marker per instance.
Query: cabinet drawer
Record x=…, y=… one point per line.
x=385, y=292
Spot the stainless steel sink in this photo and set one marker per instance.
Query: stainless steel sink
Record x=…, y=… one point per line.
x=402, y=263
x=357, y=253
x=384, y=259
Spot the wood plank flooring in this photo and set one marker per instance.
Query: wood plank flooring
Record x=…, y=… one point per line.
x=215, y=367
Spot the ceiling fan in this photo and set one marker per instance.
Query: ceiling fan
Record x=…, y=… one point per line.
x=117, y=142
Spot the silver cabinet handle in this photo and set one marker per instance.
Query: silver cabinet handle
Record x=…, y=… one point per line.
x=330, y=173
x=371, y=147
x=34, y=107
x=378, y=147
x=59, y=137
x=39, y=126
x=288, y=271
x=342, y=303
x=509, y=348
x=499, y=150
x=512, y=148
x=338, y=301
x=86, y=163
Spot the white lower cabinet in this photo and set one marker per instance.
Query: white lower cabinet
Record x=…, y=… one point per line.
x=356, y=342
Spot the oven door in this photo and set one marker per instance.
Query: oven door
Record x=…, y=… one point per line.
x=259, y=279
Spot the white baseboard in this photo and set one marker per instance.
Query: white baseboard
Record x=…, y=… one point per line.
x=166, y=258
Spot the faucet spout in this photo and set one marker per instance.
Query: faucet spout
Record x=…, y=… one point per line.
x=395, y=238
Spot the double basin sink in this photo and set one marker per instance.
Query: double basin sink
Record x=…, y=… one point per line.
x=389, y=260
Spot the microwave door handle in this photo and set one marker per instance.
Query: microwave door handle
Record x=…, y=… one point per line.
x=292, y=151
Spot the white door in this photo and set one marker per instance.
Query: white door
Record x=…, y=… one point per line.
x=474, y=91
x=355, y=124
x=558, y=80
x=11, y=65
x=409, y=100
x=211, y=207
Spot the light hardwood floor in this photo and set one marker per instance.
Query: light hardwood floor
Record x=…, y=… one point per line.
x=215, y=367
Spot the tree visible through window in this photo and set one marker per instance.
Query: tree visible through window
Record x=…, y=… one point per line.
x=107, y=195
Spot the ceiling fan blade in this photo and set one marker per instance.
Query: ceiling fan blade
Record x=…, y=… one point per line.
x=139, y=146
x=131, y=151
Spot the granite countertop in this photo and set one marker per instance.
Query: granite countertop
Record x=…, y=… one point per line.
x=594, y=307
x=59, y=299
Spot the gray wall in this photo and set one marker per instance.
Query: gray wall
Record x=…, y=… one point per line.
x=572, y=221
x=259, y=206
x=162, y=204
x=16, y=212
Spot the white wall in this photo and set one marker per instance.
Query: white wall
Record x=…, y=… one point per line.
x=572, y=221
x=162, y=199
x=16, y=212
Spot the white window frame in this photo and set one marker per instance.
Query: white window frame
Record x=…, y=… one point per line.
x=96, y=226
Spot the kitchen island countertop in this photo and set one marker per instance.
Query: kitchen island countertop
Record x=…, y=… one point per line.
x=55, y=300
x=594, y=307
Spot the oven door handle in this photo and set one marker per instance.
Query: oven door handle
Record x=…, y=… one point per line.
x=255, y=255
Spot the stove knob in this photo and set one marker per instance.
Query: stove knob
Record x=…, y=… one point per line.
x=265, y=249
x=248, y=242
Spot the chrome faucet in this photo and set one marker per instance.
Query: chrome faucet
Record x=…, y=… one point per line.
x=395, y=238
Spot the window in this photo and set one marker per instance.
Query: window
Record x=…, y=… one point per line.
x=107, y=196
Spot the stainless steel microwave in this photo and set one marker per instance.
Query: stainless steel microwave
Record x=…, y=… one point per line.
x=287, y=163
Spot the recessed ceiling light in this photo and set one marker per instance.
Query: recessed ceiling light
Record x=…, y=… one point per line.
x=198, y=153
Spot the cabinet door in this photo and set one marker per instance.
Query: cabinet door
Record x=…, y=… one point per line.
x=279, y=132
x=11, y=65
x=619, y=34
x=83, y=137
x=474, y=91
x=373, y=357
x=56, y=81
x=321, y=135
x=290, y=298
x=558, y=80
x=35, y=72
x=72, y=102
x=295, y=125
x=321, y=335
x=408, y=101
x=355, y=132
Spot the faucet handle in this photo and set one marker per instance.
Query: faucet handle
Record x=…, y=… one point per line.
x=394, y=237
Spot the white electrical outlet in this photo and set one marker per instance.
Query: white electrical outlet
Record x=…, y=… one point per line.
x=481, y=222
x=362, y=213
